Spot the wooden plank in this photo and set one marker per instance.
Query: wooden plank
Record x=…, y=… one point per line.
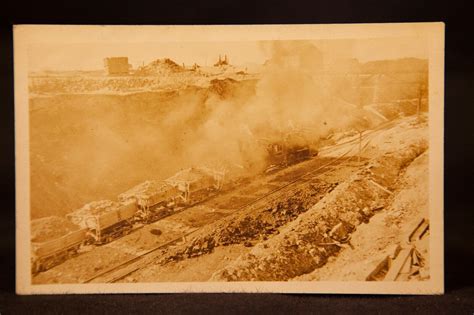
x=419, y=231
x=398, y=264
x=120, y=271
x=381, y=187
x=383, y=264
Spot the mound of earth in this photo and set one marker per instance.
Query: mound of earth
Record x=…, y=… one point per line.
x=253, y=225
x=307, y=242
x=97, y=207
x=160, y=67
x=223, y=87
x=388, y=228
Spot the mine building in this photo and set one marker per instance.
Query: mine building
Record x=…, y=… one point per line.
x=222, y=62
x=117, y=65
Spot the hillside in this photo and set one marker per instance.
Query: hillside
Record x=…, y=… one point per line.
x=101, y=145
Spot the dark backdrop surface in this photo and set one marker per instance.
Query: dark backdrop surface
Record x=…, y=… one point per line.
x=459, y=136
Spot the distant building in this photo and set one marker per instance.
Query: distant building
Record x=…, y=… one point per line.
x=222, y=62
x=117, y=65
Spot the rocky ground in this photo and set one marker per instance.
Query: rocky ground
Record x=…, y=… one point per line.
x=308, y=242
x=219, y=209
x=334, y=227
x=159, y=75
x=372, y=241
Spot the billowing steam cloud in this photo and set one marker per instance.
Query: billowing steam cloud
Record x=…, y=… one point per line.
x=101, y=145
x=294, y=93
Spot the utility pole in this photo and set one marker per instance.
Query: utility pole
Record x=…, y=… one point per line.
x=376, y=90
x=420, y=92
x=360, y=129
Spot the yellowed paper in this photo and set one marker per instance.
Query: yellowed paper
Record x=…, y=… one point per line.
x=270, y=158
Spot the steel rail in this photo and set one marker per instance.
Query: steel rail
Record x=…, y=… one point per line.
x=114, y=273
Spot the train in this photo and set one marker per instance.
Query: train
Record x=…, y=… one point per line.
x=46, y=255
x=291, y=150
x=100, y=222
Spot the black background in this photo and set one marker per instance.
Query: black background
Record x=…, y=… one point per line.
x=459, y=136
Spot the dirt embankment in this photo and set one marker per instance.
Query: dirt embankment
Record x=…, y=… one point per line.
x=387, y=228
x=253, y=225
x=93, y=147
x=306, y=243
x=159, y=74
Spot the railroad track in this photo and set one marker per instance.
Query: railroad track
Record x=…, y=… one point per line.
x=124, y=269
x=120, y=271
x=384, y=125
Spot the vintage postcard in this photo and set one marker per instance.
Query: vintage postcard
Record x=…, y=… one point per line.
x=254, y=158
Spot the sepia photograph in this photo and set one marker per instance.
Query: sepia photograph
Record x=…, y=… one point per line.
x=271, y=158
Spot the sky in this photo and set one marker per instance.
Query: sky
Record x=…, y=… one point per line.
x=89, y=56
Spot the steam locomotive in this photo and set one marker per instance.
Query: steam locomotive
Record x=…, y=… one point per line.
x=101, y=222
x=293, y=149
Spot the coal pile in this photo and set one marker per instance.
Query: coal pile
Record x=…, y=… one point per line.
x=296, y=251
x=197, y=247
x=256, y=224
x=263, y=224
x=97, y=208
x=145, y=190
